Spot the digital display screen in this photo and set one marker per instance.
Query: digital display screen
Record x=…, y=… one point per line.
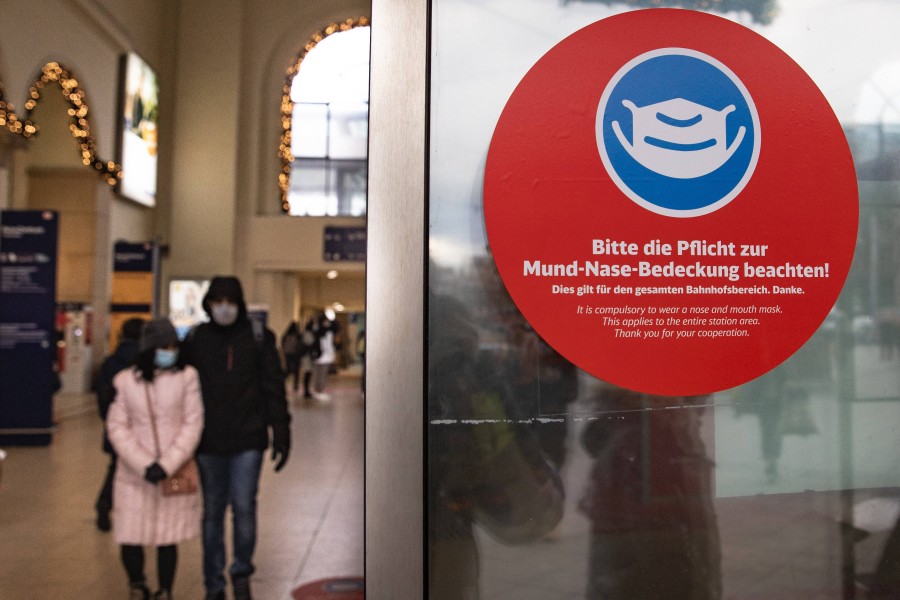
x=137, y=141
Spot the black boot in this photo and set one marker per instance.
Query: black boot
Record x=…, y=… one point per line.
x=241, y=587
x=103, y=506
x=103, y=522
x=138, y=591
x=307, y=380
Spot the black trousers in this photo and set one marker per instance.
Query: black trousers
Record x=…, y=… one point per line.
x=105, y=499
x=166, y=561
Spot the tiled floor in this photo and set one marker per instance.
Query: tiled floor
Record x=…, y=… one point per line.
x=774, y=545
x=310, y=514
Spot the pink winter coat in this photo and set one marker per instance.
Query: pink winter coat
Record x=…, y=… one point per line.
x=141, y=514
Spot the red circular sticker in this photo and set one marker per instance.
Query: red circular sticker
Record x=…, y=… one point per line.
x=671, y=202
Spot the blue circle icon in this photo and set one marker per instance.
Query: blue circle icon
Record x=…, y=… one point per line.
x=678, y=132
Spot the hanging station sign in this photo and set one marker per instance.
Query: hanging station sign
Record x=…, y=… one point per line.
x=671, y=202
x=135, y=284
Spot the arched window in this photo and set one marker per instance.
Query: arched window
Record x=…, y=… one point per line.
x=325, y=151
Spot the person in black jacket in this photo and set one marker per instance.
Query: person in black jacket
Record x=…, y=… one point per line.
x=292, y=348
x=244, y=397
x=122, y=357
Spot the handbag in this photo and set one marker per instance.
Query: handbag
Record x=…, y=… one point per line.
x=185, y=479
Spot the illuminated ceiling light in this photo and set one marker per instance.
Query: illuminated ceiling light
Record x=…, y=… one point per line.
x=332, y=274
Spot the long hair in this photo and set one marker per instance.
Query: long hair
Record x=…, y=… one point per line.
x=145, y=363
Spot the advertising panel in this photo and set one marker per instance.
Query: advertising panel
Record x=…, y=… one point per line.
x=186, y=304
x=138, y=130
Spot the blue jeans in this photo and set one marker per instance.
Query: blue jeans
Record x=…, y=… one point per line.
x=230, y=479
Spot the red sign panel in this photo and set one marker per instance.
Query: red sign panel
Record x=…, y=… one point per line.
x=671, y=202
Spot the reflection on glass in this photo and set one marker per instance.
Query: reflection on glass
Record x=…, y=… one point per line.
x=485, y=471
x=648, y=496
x=786, y=487
x=760, y=11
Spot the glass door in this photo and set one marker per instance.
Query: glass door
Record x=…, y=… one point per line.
x=770, y=472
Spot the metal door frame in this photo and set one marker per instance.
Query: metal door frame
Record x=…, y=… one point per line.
x=395, y=301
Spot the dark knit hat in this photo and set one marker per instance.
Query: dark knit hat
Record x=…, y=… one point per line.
x=158, y=333
x=131, y=329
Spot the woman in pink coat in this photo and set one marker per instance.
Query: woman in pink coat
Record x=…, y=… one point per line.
x=159, y=382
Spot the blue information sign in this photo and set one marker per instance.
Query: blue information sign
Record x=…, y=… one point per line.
x=28, y=241
x=134, y=277
x=345, y=243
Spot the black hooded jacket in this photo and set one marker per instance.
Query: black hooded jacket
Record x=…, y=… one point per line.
x=240, y=378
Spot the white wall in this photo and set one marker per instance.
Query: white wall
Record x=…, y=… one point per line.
x=206, y=123
x=232, y=59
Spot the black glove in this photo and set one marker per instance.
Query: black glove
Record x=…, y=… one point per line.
x=154, y=473
x=281, y=446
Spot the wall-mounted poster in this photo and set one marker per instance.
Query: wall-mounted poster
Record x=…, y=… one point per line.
x=661, y=214
x=186, y=304
x=137, y=142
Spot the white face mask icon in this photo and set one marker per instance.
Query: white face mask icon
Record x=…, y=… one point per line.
x=679, y=138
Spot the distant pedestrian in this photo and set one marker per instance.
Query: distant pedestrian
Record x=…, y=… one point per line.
x=328, y=342
x=292, y=349
x=310, y=352
x=361, y=352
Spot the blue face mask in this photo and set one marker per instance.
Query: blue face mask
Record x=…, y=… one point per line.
x=165, y=358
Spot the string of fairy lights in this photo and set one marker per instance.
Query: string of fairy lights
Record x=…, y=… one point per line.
x=111, y=172
x=287, y=106
x=53, y=73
